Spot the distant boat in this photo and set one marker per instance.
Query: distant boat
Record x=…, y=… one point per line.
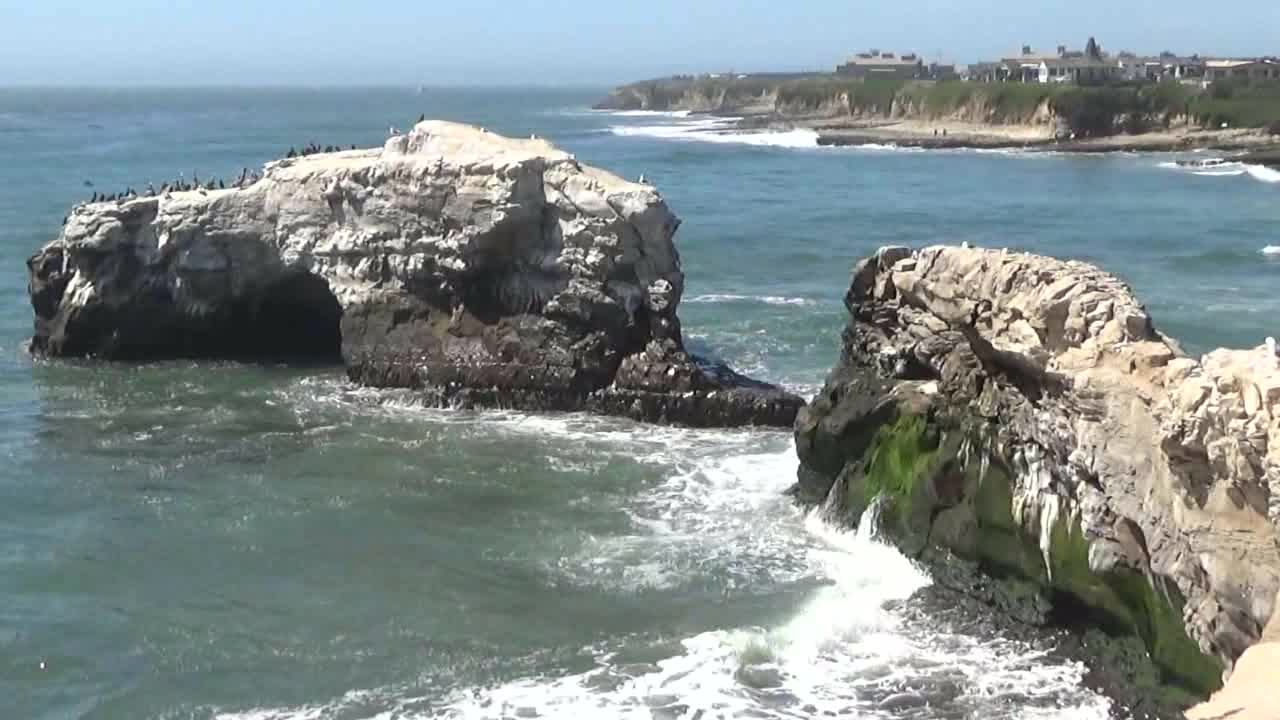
x=1205, y=164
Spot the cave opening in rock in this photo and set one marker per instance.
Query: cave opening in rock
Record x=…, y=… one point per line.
x=296, y=320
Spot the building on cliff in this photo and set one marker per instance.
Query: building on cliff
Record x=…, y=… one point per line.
x=1077, y=70
x=1088, y=66
x=1265, y=68
x=876, y=64
x=1160, y=68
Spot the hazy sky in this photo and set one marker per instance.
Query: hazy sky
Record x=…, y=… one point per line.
x=568, y=41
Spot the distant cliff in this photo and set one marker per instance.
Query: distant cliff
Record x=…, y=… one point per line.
x=1069, y=109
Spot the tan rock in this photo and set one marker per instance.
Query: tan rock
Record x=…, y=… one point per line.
x=1251, y=693
x=1169, y=462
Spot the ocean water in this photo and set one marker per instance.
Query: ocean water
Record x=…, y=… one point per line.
x=184, y=540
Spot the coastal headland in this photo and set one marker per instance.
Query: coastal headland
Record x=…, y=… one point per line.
x=940, y=114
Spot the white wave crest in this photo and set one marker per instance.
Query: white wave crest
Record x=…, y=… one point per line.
x=766, y=299
x=1270, y=250
x=649, y=113
x=1263, y=173
x=721, y=130
x=1220, y=172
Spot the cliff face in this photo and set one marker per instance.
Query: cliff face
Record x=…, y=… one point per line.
x=824, y=98
x=1022, y=414
x=491, y=271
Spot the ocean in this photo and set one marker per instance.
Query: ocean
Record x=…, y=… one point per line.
x=212, y=540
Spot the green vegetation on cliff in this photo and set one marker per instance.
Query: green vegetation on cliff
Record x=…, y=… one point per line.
x=1240, y=104
x=1084, y=111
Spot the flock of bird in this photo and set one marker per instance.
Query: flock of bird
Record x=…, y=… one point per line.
x=247, y=177
x=314, y=149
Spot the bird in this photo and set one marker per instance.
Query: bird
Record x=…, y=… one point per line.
x=392, y=131
x=965, y=244
x=643, y=180
x=95, y=197
x=1271, y=346
x=422, y=117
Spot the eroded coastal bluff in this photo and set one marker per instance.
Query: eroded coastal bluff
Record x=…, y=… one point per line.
x=484, y=270
x=1021, y=416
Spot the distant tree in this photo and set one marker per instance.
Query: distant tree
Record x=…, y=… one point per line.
x=1091, y=49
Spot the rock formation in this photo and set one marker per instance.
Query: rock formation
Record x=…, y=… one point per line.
x=1021, y=415
x=489, y=271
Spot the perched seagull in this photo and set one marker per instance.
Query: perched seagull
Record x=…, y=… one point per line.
x=1271, y=346
x=965, y=244
x=392, y=130
x=642, y=180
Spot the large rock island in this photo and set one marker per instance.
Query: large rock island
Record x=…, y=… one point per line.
x=1021, y=417
x=485, y=270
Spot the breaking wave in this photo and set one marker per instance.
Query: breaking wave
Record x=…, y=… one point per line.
x=766, y=299
x=1263, y=173
x=841, y=645
x=720, y=130
x=649, y=113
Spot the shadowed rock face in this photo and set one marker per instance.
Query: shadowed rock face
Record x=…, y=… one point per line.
x=486, y=270
x=1022, y=414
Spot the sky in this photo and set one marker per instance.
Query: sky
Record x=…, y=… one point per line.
x=569, y=42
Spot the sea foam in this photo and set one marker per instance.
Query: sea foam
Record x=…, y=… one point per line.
x=1263, y=173
x=722, y=131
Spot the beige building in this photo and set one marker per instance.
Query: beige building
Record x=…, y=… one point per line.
x=1249, y=68
x=875, y=64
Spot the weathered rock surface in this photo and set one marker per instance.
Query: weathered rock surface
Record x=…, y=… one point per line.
x=492, y=271
x=1022, y=414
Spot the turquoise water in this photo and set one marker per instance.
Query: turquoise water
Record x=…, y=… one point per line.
x=211, y=540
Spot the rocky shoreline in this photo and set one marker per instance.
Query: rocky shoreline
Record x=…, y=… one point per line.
x=964, y=137
x=481, y=270
x=1021, y=417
